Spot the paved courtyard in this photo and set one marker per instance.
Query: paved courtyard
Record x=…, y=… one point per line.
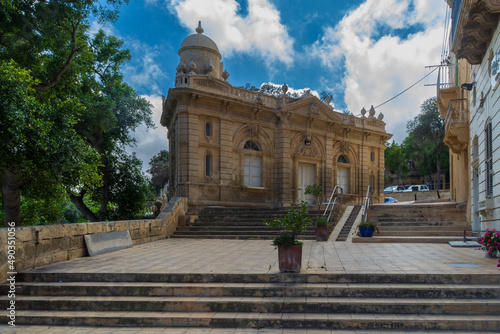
x=258, y=256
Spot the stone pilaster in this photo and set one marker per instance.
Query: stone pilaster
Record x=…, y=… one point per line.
x=226, y=162
x=284, y=166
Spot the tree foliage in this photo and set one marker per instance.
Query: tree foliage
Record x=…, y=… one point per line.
x=159, y=168
x=395, y=163
x=66, y=112
x=424, y=144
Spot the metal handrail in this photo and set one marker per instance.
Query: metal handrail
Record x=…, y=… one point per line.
x=368, y=200
x=334, y=193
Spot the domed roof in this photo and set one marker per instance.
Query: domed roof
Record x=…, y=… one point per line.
x=199, y=40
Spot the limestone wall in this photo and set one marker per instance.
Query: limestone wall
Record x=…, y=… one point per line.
x=420, y=195
x=42, y=245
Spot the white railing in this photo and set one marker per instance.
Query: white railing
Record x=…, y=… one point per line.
x=334, y=197
x=368, y=200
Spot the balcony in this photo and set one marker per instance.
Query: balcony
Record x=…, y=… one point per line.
x=457, y=125
x=473, y=25
x=447, y=87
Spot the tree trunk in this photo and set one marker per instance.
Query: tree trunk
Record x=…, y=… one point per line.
x=438, y=170
x=11, y=198
x=103, y=211
x=80, y=205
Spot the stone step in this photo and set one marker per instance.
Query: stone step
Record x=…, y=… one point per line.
x=413, y=223
x=376, y=278
x=237, y=236
x=456, y=228
x=409, y=232
x=406, y=239
x=348, y=321
x=257, y=304
x=352, y=290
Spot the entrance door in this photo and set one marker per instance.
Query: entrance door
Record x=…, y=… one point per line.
x=306, y=178
x=343, y=178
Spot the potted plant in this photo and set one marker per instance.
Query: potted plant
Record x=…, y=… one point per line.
x=291, y=225
x=316, y=191
x=490, y=242
x=366, y=229
x=321, y=229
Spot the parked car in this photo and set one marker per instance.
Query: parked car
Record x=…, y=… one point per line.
x=394, y=189
x=418, y=187
x=390, y=200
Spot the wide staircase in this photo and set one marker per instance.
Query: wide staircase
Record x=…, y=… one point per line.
x=349, y=302
x=243, y=223
x=426, y=223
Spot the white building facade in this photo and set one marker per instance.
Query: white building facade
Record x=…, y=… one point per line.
x=475, y=36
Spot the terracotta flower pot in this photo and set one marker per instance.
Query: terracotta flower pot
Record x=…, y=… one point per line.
x=290, y=258
x=321, y=233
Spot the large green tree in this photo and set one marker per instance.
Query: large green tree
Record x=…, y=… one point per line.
x=113, y=110
x=395, y=163
x=66, y=112
x=425, y=145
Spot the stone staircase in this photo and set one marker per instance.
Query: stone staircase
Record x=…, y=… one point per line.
x=344, y=233
x=420, y=223
x=243, y=223
x=397, y=302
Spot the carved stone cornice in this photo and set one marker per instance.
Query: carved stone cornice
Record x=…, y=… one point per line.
x=476, y=25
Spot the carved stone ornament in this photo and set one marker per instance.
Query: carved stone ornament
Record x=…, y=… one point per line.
x=211, y=83
x=380, y=116
x=478, y=20
x=344, y=147
x=313, y=110
x=253, y=130
x=192, y=67
x=363, y=112
x=308, y=150
x=209, y=67
x=225, y=75
x=284, y=88
x=181, y=68
x=372, y=112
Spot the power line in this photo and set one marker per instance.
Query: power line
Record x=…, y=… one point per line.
x=407, y=88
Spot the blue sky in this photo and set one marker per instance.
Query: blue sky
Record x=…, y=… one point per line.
x=362, y=52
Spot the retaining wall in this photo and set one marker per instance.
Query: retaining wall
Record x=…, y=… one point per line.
x=37, y=246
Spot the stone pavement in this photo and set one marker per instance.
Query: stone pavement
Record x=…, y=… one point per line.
x=259, y=257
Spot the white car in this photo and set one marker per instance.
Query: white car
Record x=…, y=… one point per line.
x=419, y=187
x=394, y=189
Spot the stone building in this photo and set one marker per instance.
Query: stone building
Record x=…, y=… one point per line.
x=234, y=147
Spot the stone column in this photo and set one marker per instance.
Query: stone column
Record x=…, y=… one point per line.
x=328, y=184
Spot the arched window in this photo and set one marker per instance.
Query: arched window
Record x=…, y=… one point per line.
x=252, y=166
x=208, y=165
x=342, y=159
x=251, y=145
x=372, y=156
x=208, y=129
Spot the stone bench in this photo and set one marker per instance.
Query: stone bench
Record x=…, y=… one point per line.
x=101, y=243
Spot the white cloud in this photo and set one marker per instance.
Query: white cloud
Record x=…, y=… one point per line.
x=377, y=69
x=150, y=141
x=144, y=70
x=259, y=33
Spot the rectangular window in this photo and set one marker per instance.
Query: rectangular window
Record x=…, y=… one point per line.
x=489, y=160
x=252, y=171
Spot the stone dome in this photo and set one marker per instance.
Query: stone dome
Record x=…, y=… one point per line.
x=201, y=55
x=199, y=41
